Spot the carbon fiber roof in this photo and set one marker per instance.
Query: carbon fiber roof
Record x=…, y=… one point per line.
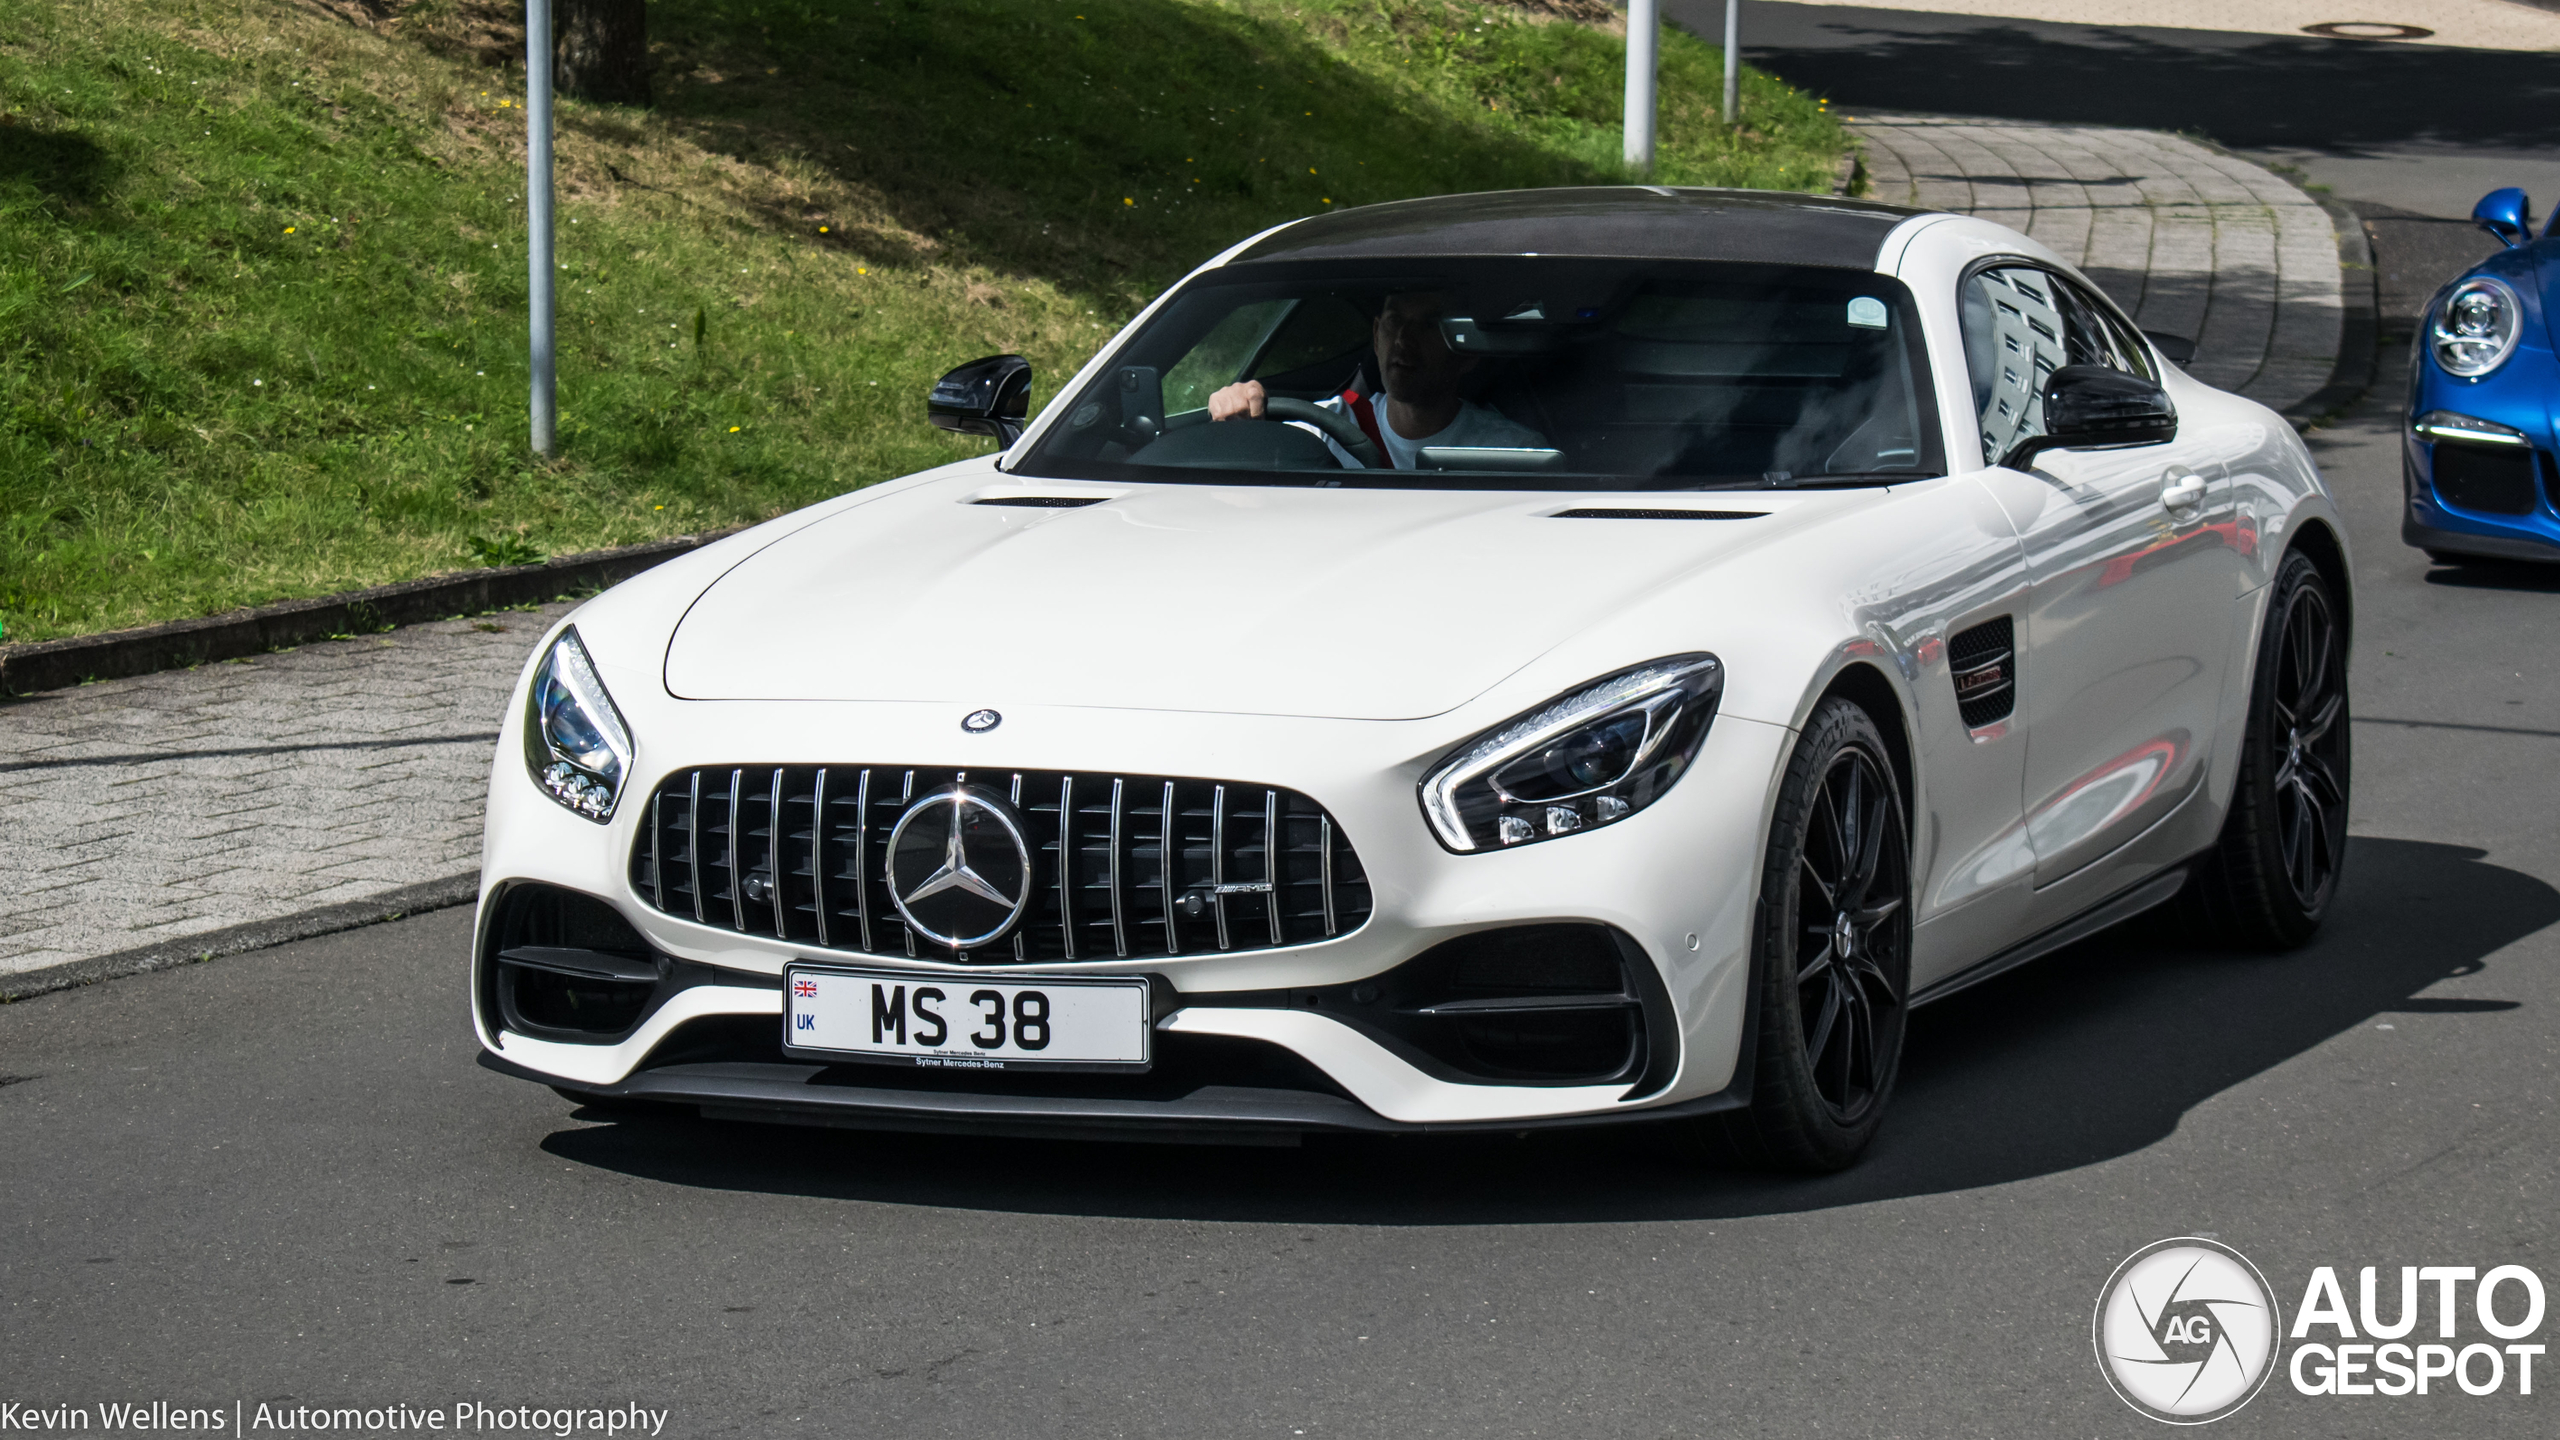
x=1634, y=221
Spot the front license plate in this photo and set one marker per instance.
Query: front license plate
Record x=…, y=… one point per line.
x=965, y=1022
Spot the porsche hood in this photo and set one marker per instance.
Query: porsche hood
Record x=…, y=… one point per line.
x=1341, y=603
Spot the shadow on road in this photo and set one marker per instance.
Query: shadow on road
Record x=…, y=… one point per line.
x=2498, y=575
x=2093, y=1054
x=2240, y=89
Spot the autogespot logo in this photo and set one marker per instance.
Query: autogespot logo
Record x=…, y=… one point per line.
x=2186, y=1331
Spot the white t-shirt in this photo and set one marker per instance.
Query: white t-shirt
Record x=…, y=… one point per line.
x=1478, y=425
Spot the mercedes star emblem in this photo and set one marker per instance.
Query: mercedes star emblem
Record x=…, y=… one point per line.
x=959, y=867
x=979, y=722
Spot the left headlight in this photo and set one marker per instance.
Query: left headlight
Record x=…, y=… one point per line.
x=2476, y=328
x=1593, y=755
x=575, y=744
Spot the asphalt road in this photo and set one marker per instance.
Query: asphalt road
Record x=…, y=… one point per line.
x=281, y=1175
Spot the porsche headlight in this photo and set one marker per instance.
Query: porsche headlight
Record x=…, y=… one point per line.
x=2475, y=329
x=1597, y=754
x=575, y=744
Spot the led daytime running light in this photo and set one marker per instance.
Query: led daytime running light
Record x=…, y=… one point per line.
x=2446, y=425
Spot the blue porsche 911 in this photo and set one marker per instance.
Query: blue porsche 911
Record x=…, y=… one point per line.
x=2482, y=466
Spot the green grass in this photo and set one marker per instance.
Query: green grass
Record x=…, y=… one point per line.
x=262, y=271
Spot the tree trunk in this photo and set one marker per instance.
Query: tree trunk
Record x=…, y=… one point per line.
x=600, y=50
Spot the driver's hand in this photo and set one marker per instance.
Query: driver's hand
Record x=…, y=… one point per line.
x=1243, y=398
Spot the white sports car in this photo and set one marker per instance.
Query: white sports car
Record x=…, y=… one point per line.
x=1556, y=657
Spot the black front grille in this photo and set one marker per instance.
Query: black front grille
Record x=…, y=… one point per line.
x=2498, y=482
x=1983, y=661
x=1107, y=882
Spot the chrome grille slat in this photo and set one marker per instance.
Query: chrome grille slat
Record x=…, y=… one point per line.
x=693, y=847
x=1111, y=862
x=737, y=910
x=861, y=863
x=702, y=854
x=1067, y=862
x=1218, y=860
x=1324, y=853
x=1275, y=889
x=773, y=851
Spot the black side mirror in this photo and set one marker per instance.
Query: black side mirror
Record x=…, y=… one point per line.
x=2093, y=407
x=989, y=397
x=2176, y=349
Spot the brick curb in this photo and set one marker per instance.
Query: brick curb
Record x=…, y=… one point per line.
x=116, y=654
x=240, y=939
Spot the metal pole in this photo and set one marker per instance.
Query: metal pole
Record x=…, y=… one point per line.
x=537, y=213
x=1644, y=28
x=1732, y=60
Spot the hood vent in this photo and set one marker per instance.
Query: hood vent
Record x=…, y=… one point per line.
x=1984, y=662
x=1042, y=502
x=1609, y=513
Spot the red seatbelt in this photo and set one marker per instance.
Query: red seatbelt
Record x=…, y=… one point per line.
x=1367, y=414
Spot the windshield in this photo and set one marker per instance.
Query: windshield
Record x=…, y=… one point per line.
x=1528, y=372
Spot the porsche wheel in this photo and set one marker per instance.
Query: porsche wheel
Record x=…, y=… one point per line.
x=1832, y=948
x=2268, y=881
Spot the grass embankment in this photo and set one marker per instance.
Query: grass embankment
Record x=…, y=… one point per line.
x=262, y=268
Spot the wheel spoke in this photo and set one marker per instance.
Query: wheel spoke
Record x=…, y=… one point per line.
x=2297, y=843
x=1878, y=913
x=1872, y=825
x=2324, y=714
x=2320, y=781
x=1857, y=1059
x=1819, y=967
x=1821, y=886
x=1851, y=829
x=2316, y=647
x=1820, y=1039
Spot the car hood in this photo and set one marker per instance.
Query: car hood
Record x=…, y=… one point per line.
x=1344, y=603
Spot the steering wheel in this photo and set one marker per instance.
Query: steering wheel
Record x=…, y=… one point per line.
x=1342, y=429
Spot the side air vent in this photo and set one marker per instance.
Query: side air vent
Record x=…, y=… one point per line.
x=1043, y=502
x=1984, y=662
x=1602, y=512
x=2498, y=482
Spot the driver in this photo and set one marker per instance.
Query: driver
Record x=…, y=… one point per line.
x=1421, y=392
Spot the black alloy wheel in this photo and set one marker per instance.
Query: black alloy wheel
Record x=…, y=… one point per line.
x=2310, y=706
x=1832, y=944
x=2268, y=881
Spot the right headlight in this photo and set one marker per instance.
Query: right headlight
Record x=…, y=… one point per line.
x=1593, y=755
x=575, y=744
x=2476, y=327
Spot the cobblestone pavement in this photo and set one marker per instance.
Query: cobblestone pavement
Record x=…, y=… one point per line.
x=140, y=811
x=2191, y=241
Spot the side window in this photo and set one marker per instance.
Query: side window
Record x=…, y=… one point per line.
x=2020, y=325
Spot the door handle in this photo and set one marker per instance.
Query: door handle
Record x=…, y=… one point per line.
x=2182, y=491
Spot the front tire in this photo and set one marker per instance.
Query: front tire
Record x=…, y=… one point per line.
x=1831, y=945
x=2268, y=881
